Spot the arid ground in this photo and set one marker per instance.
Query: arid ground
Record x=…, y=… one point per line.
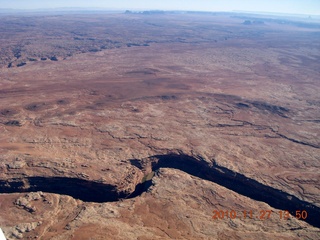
x=159, y=126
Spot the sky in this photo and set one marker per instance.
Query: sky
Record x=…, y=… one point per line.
x=311, y=7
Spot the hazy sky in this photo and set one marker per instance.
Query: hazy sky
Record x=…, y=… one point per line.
x=283, y=6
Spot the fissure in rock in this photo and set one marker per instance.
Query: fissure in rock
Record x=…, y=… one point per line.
x=91, y=191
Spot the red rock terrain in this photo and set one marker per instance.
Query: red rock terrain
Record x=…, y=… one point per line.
x=142, y=126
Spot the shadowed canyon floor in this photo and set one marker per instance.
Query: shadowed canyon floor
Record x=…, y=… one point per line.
x=135, y=126
x=99, y=192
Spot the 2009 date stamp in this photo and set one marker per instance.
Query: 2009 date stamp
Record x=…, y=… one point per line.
x=260, y=214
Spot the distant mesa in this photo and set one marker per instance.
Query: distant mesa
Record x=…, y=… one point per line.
x=254, y=22
x=152, y=12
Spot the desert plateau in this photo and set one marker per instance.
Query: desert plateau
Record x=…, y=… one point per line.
x=159, y=125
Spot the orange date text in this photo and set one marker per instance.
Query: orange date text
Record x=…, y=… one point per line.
x=258, y=214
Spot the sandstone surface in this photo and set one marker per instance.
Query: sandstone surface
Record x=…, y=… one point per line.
x=141, y=130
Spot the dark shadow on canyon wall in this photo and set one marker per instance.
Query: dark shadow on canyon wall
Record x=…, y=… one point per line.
x=88, y=191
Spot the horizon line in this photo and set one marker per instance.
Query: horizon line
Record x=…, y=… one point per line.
x=145, y=9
